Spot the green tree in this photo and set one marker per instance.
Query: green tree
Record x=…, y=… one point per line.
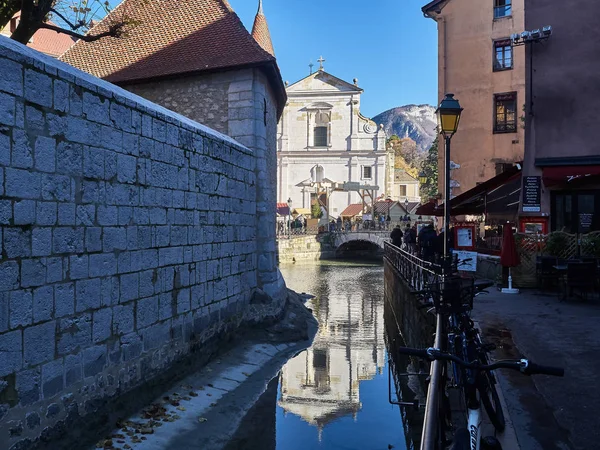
x=72, y=17
x=429, y=167
x=315, y=211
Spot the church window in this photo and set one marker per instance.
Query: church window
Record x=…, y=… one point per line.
x=402, y=190
x=320, y=136
x=321, y=130
x=367, y=172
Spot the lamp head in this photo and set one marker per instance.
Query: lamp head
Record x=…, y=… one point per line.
x=448, y=115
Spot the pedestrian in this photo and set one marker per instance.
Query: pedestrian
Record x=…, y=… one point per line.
x=427, y=242
x=410, y=239
x=339, y=223
x=388, y=221
x=396, y=236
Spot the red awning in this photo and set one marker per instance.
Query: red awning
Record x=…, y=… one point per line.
x=553, y=176
x=283, y=209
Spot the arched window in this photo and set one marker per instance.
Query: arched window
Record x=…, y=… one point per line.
x=321, y=131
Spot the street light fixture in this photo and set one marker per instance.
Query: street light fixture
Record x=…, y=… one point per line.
x=289, y=202
x=422, y=177
x=448, y=115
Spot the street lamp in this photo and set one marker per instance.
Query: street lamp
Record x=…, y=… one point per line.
x=448, y=116
x=422, y=177
x=289, y=202
x=406, y=208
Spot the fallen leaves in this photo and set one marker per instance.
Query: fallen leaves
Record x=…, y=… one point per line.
x=202, y=419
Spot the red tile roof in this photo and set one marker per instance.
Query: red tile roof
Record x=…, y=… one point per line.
x=260, y=31
x=172, y=38
x=352, y=210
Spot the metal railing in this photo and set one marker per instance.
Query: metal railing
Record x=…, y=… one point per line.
x=416, y=272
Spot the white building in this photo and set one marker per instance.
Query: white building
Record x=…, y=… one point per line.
x=322, y=137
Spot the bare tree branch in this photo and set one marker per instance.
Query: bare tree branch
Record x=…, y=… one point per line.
x=114, y=31
x=67, y=21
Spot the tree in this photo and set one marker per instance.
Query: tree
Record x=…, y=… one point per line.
x=72, y=17
x=429, y=167
x=402, y=154
x=315, y=210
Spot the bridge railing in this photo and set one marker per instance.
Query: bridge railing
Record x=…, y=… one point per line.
x=416, y=272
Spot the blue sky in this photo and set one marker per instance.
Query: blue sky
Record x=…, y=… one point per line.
x=387, y=44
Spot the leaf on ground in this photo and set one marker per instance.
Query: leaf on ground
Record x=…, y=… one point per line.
x=208, y=369
x=192, y=394
x=210, y=395
x=147, y=431
x=127, y=446
x=246, y=374
x=201, y=388
x=176, y=417
x=181, y=408
x=202, y=419
x=210, y=385
x=175, y=403
x=186, y=398
x=186, y=386
x=213, y=404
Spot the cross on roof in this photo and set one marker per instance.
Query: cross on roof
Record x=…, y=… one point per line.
x=321, y=60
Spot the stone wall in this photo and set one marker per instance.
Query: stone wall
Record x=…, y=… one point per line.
x=303, y=249
x=129, y=239
x=241, y=104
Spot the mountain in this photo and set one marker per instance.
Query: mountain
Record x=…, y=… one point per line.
x=417, y=122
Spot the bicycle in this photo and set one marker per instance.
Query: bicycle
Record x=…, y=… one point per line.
x=470, y=438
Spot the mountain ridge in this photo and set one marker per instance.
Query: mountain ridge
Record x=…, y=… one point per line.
x=417, y=122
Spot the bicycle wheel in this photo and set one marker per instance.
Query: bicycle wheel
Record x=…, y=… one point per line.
x=491, y=401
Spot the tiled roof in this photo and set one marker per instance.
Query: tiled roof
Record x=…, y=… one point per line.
x=171, y=38
x=383, y=207
x=47, y=41
x=352, y=210
x=260, y=31
x=402, y=175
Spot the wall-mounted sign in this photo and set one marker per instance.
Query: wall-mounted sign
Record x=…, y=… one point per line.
x=585, y=222
x=532, y=194
x=467, y=261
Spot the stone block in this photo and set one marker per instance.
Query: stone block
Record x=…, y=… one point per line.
x=115, y=239
x=123, y=319
x=54, y=270
x=61, y=96
x=24, y=212
x=183, y=301
x=96, y=108
x=53, y=378
x=93, y=239
x=45, y=213
x=66, y=214
x=22, y=152
x=4, y=149
x=17, y=242
x=78, y=267
x=12, y=76
x=129, y=287
x=166, y=306
x=147, y=312
x=110, y=291
x=85, y=215
x=73, y=369
x=11, y=352
x=57, y=188
x=125, y=214
x=170, y=256
x=107, y=215
x=21, y=308
x=147, y=279
x=32, y=420
x=22, y=183
x=69, y=158
x=131, y=346
x=93, y=162
x=38, y=88
x=103, y=264
x=88, y=294
x=43, y=303
x=28, y=386
x=74, y=333
x=33, y=272
x=126, y=169
x=45, y=154
x=39, y=343
x=94, y=360
x=5, y=212
x=102, y=325
x=157, y=335
x=4, y=313
x=67, y=240
x=64, y=299
x=7, y=109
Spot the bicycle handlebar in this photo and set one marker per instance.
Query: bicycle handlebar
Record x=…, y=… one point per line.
x=524, y=365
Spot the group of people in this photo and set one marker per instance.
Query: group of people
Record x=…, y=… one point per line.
x=427, y=244
x=295, y=226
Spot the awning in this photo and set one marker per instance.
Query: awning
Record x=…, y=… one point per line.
x=428, y=209
x=283, y=209
x=553, y=176
x=499, y=195
x=301, y=211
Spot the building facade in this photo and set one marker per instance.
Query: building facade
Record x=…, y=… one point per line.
x=324, y=139
x=210, y=69
x=562, y=144
x=477, y=62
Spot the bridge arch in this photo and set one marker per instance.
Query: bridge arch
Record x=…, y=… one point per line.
x=375, y=237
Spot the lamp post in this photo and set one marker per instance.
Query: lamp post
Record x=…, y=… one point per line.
x=448, y=116
x=289, y=202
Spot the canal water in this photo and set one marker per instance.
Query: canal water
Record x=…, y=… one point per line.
x=334, y=395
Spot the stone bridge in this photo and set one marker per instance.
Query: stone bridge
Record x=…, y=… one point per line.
x=375, y=237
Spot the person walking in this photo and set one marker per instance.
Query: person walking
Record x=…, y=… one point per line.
x=426, y=242
x=396, y=236
x=410, y=239
x=388, y=221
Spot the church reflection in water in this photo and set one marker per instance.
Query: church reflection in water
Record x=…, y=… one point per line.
x=322, y=383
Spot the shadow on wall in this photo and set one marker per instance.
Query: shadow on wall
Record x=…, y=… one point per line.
x=363, y=250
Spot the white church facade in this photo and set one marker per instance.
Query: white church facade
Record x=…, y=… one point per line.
x=324, y=141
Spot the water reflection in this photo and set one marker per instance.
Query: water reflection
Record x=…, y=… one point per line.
x=338, y=387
